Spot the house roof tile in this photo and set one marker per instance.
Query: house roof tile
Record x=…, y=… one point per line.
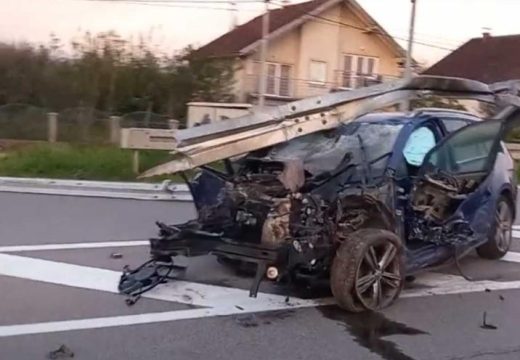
x=231, y=43
x=488, y=59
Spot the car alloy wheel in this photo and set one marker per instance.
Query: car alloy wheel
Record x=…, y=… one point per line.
x=378, y=277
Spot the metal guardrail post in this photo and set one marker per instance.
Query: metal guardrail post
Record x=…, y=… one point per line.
x=52, y=127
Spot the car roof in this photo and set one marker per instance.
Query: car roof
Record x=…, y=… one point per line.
x=418, y=114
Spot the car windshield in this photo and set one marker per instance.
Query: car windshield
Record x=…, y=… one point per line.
x=356, y=142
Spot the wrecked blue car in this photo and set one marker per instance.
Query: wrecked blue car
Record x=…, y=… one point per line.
x=362, y=205
x=330, y=190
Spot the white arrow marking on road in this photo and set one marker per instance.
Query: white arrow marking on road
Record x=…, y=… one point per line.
x=178, y=291
x=220, y=300
x=438, y=284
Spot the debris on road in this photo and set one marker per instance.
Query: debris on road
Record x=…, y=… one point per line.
x=485, y=325
x=116, y=255
x=62, y=352
x=132, y=300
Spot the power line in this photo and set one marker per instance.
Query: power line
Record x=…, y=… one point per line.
x=380, y=33
x=167, y=2
x=363, y=29
x=184, y=4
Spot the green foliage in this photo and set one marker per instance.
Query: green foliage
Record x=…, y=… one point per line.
x=513, y=136
x=76, y=162
x=110, y=74
x=431, y=101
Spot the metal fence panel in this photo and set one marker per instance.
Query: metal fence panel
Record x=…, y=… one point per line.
x=23, y=122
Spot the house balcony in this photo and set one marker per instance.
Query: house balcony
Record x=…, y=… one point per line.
x=345, y=80
x=281, y=90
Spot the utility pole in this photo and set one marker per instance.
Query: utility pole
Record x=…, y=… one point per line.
x=263, y=56
x=408, y=71
x=233, y=9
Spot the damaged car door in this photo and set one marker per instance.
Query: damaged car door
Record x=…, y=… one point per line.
x=463, y=196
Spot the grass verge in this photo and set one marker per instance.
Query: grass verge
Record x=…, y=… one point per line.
x=85, y=162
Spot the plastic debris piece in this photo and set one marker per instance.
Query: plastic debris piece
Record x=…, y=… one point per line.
x=485, y=325
x=61, y=353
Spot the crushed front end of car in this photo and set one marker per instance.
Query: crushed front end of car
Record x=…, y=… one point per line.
x=285, y=208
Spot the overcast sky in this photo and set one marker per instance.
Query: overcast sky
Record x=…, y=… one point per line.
x=443, y=23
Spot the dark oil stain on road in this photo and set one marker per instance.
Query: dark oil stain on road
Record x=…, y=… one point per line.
x=369, y=329
x=266, y=318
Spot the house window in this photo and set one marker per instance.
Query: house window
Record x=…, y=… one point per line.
x=285, y=75
x=318, y=72
x=358, y=71
x=271, y=79
x=278, y=79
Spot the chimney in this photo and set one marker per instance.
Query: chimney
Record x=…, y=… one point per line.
x=486, y=34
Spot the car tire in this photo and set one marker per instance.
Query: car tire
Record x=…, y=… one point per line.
x=359, y=279
x=500, y=235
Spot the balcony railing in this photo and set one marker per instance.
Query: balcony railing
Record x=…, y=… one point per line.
x=276, y=86
x=291, y=88
x=348, y=80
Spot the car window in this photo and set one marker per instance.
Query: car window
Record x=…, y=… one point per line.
x=325, y=151
x=468, y=150
x=421, y=141
x=453, y=125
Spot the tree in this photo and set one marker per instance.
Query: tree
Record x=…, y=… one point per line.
x=433, y=101
x=111, y=74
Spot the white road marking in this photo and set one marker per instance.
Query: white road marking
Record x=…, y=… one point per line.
x=125, y=320
x=437, y=284
x=118, y=243
x=217, y=300
x=70, y=246
x=178, y=291
x=445, y=284
x=511, y=256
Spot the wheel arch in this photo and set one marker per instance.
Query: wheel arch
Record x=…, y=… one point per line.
x=508, y=194
x=378, y=215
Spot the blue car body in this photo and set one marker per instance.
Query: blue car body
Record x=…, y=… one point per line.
x=476, y=210
x=397, y=191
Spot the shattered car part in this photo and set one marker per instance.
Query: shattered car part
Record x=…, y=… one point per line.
x=147, y=276
x=313, y=193
x=61, y=353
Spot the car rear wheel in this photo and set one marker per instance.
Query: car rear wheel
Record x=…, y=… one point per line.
x=501, y=233
x=368, y=270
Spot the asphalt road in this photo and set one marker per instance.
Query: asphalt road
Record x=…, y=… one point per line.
x=61, y=295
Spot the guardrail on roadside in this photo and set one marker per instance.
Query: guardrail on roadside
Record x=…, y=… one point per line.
x=167, y=190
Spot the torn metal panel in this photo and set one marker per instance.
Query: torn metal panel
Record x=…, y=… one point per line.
x=206, y=144
x=332, y=100
x=243, y=142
